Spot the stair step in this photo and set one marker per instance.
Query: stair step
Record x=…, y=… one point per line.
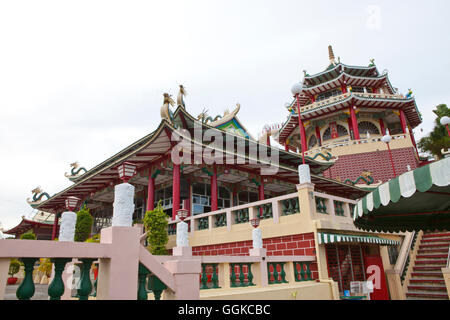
x=427, y=295
x=428, y=268
x=421, y=287
x=434, y=262
x=441, y=246
x=434, y=274
x=431, y=252
x=435, y=235
x=427, y=280
x=421, y=294
x=431, y=256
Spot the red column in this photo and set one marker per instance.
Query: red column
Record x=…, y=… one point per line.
x=403, y=121
x=55, y=226
x=175, y=190
x=214, y=189
x=268, y=140
x=344, y=88
x=261, y=190
x=354, y=123
x=319, y=138
x=383, y=129
x=286, y=147
x=150, y=193
x=350, y=128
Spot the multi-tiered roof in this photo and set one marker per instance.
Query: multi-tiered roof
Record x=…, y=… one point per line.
x=347, y=86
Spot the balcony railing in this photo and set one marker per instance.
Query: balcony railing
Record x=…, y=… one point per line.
x=326, y=147
x=270, y=209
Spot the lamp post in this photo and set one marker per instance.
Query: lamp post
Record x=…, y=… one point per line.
x=256, y=234
x=387, y=139
x=124, y=197
x=182, y=229
x=296, y=91
x=445, y=121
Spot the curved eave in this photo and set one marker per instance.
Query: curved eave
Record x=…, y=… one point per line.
x=407, y=105
x=330, y=74
x=349, y=80
x=26, y=225
x=105, y=174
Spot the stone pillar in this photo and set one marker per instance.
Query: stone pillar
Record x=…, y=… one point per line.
x=118, y=275
x=260, y=270
x=186, y=272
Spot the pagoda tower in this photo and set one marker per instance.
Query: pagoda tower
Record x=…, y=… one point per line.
x=345, y=111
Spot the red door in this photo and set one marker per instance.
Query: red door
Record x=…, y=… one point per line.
x=375, y=273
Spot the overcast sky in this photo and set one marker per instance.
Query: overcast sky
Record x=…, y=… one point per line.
x=81, y=80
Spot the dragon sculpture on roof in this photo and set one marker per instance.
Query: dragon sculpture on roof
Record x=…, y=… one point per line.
x=75, y=172
x=218, y=119
x=37, y=197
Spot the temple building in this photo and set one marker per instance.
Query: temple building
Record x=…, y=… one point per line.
x=224, y=177
x=345, y=111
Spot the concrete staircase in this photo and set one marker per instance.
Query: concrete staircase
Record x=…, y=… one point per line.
x=427, y=281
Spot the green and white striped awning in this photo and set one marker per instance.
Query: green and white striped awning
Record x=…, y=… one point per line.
x=325, y=238
x=415, y=200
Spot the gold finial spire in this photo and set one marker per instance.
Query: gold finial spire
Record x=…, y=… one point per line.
x=331, y=55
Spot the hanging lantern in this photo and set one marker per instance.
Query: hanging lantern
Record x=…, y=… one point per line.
x=255, y=222
x=126, y=171
x=72, y=203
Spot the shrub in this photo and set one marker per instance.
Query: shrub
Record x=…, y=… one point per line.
x=95, y=238
x=14, y=267
x=156, y=225
x=45, y=266
x=83, y=225
x=28, y=236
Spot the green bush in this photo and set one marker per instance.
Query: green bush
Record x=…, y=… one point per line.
x=95, y=238
x=14, y=267
x=83, y=225
x=28, y=236
x=156, y=225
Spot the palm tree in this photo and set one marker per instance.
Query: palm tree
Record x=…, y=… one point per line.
x=438, y=139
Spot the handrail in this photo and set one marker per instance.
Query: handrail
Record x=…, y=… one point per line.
x=404, y=252
x=240, y=207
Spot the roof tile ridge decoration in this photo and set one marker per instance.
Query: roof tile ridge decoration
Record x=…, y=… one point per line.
x=106, y=166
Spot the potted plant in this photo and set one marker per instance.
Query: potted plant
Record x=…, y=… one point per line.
x=14, y=267
x=156, y=225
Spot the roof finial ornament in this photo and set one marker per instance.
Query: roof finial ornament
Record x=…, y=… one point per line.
x=166, y=113
x=182, y=93
x=372, y=63
x=331, y=55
